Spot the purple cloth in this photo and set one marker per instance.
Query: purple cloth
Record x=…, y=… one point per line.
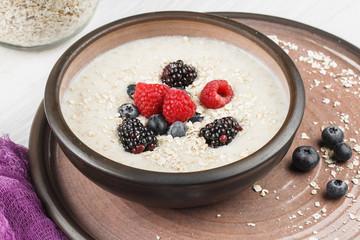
x=21, y=212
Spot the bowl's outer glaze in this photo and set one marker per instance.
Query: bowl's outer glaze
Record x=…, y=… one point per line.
x=177, y=196
x=173, y=189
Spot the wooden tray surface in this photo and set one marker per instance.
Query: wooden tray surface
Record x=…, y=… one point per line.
x=288, y=211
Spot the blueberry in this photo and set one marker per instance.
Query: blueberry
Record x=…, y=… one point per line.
x=342, y=152
x=177, y=129
x=157, y=124
x=332, y=135
x=196, y=118
x=128, y=110
x=131, y=90
x=305, y=158
x=336, y=188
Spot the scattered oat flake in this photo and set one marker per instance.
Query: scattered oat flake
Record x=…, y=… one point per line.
x=264, y=192
x=158, y=237
x=313, y=192
x=316, y=216
x=317, y=204
x=218, y=215
x=251, y=224
x=304, y=136
x=336, y=103
x=350, y=195
x=257, y=188
x=357, y=148
x=326, y=100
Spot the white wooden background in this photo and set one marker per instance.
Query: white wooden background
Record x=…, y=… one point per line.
x=23, y=74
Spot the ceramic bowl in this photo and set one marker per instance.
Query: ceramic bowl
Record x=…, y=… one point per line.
x=173, y=190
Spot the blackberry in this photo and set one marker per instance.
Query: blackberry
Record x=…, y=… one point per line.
x=135, y=137
x=179, y=75
x=220, y=132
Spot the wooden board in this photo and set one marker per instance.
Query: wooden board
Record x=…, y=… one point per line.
x=288, y=211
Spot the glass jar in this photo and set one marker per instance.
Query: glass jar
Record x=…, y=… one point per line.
x=34, y=24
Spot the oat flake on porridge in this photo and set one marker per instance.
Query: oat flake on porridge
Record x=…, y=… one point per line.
x=260, y=103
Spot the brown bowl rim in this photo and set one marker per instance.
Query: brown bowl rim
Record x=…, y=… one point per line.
x=106, y=166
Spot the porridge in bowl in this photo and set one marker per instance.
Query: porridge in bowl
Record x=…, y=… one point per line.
x=256, y=103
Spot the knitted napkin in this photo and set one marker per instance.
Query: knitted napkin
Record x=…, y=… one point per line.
x=21, y=212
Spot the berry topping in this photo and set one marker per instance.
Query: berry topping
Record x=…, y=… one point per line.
x=131, y=90
x=178, y=74
x=336, y=188
x=342, y=152
x=128, y=110
x=216, y=94
x=196, y=118
x=178, y=106
x=157, y=124
x=135, y=137
x=220, y=132
x=332, y=135
x=149, y=98
x=177, y=129
x=305, y=158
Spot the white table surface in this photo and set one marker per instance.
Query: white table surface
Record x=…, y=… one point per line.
x=23, y=74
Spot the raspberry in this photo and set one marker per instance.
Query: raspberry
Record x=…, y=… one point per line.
x=220, y=132
x=178, y=106
x=216, y=94
x=149, y=98
x=178, y=74
x=135, y=137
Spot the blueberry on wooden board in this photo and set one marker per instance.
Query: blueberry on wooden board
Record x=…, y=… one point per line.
x=332, y=135
x=336, y=188
x=342, y=152
x=305, y=158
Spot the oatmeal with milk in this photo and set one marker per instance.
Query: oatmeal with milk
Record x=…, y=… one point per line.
x=175, y=104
